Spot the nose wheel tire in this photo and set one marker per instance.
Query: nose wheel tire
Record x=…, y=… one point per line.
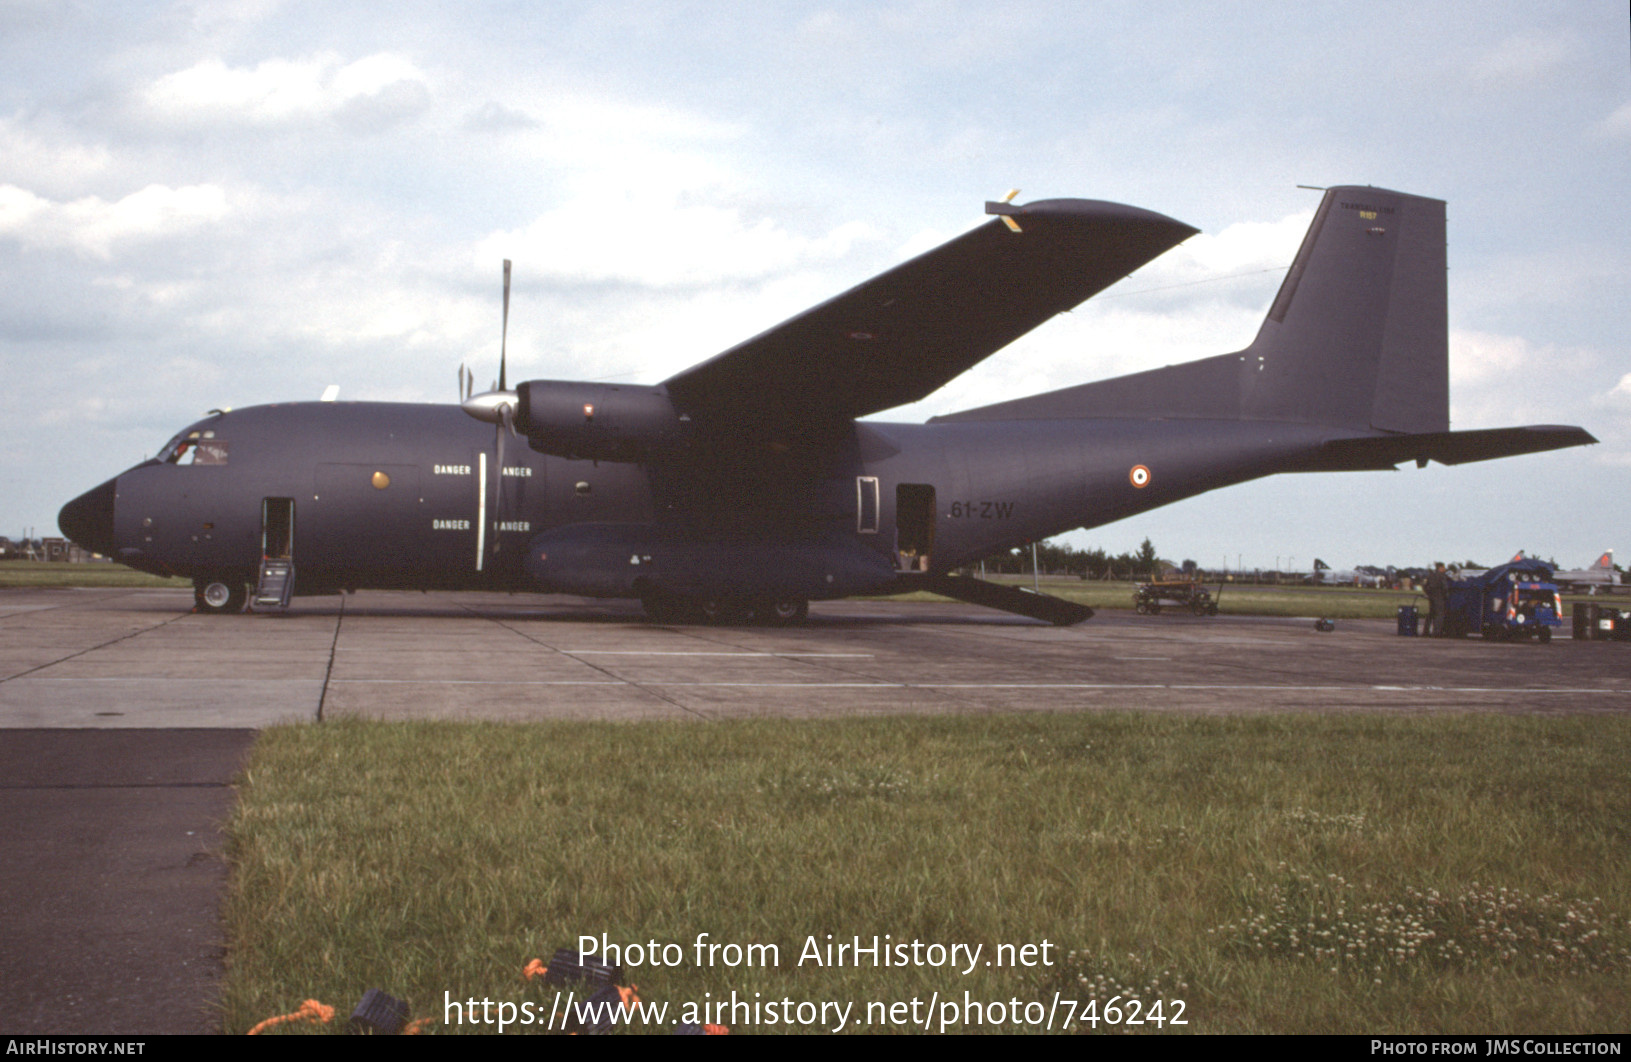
x=219, y=596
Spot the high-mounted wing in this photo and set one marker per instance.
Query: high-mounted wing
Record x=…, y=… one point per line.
x=903, y=334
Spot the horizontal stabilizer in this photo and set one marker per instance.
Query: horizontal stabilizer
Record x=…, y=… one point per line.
x=1054, y=610
x=1445, y=447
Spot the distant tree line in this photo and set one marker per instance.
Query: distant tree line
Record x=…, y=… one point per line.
x=1055, y=558
x=1058, y=558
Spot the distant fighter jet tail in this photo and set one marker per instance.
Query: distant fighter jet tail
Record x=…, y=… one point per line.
x=1356, y=341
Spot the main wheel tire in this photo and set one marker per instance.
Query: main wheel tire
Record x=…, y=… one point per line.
x=219, y=595
x=722, y=612
x=781, y=612
x=666, y=608
x=1544, y=634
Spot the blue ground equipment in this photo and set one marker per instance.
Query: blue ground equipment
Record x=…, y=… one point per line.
x=1517, y=600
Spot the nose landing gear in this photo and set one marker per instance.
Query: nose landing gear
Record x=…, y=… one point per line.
x=219, y=594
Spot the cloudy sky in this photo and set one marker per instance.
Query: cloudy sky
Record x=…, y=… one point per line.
x=228, y=203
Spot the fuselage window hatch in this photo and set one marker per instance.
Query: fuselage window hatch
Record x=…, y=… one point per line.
x=866, y=508
x=277, y=528
x=914, y=524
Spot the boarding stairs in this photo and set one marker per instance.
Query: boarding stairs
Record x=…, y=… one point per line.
x=275, y=585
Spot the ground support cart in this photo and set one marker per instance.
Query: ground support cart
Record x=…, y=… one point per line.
x=1151, y=598
x=1517, y=600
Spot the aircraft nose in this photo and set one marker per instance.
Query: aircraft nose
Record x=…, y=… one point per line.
x=88, y=519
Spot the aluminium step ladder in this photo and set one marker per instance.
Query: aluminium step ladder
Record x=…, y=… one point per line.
x=275, y=585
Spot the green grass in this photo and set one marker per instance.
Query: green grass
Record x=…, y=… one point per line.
x=1292, y=873
x=37, y=574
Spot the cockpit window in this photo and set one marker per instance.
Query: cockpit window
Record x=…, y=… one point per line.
x=195, y=448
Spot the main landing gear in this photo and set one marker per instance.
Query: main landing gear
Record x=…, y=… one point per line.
x=718, y=611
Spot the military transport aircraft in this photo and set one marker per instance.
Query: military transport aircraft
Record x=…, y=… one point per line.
x=748, y=485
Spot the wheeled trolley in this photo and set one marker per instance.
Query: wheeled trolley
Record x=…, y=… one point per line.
x=1190, y=596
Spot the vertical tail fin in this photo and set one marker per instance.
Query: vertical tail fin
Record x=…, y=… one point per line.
x=1357, y=336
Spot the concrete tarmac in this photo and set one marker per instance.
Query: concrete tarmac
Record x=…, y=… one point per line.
x=111, y=659
x=111, y=877
x=123, y=718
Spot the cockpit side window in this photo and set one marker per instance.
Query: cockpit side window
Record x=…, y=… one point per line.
x=197, y=447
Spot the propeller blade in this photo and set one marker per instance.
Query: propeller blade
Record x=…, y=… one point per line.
x=505, y=426
x=1005, y=209
x=504, y=335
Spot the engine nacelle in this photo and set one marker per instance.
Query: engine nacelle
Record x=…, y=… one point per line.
x=601, y=422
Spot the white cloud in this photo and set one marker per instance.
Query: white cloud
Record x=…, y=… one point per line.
x=1245, y=245
x=1480, y=358
x=656, y=237
x=1616, y=126
x=495, y=117
x=376, y=88
x=1620, y=396
x=1499, y=381
x=40, y=154
x=92, y=225
x=1522, y=60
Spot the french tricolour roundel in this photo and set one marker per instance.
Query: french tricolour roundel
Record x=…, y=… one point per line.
x=1139, y=476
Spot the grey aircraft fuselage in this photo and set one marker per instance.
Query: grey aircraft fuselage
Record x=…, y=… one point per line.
x=996, y=485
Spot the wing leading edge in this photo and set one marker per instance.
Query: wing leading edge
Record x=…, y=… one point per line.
x=905, y=333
